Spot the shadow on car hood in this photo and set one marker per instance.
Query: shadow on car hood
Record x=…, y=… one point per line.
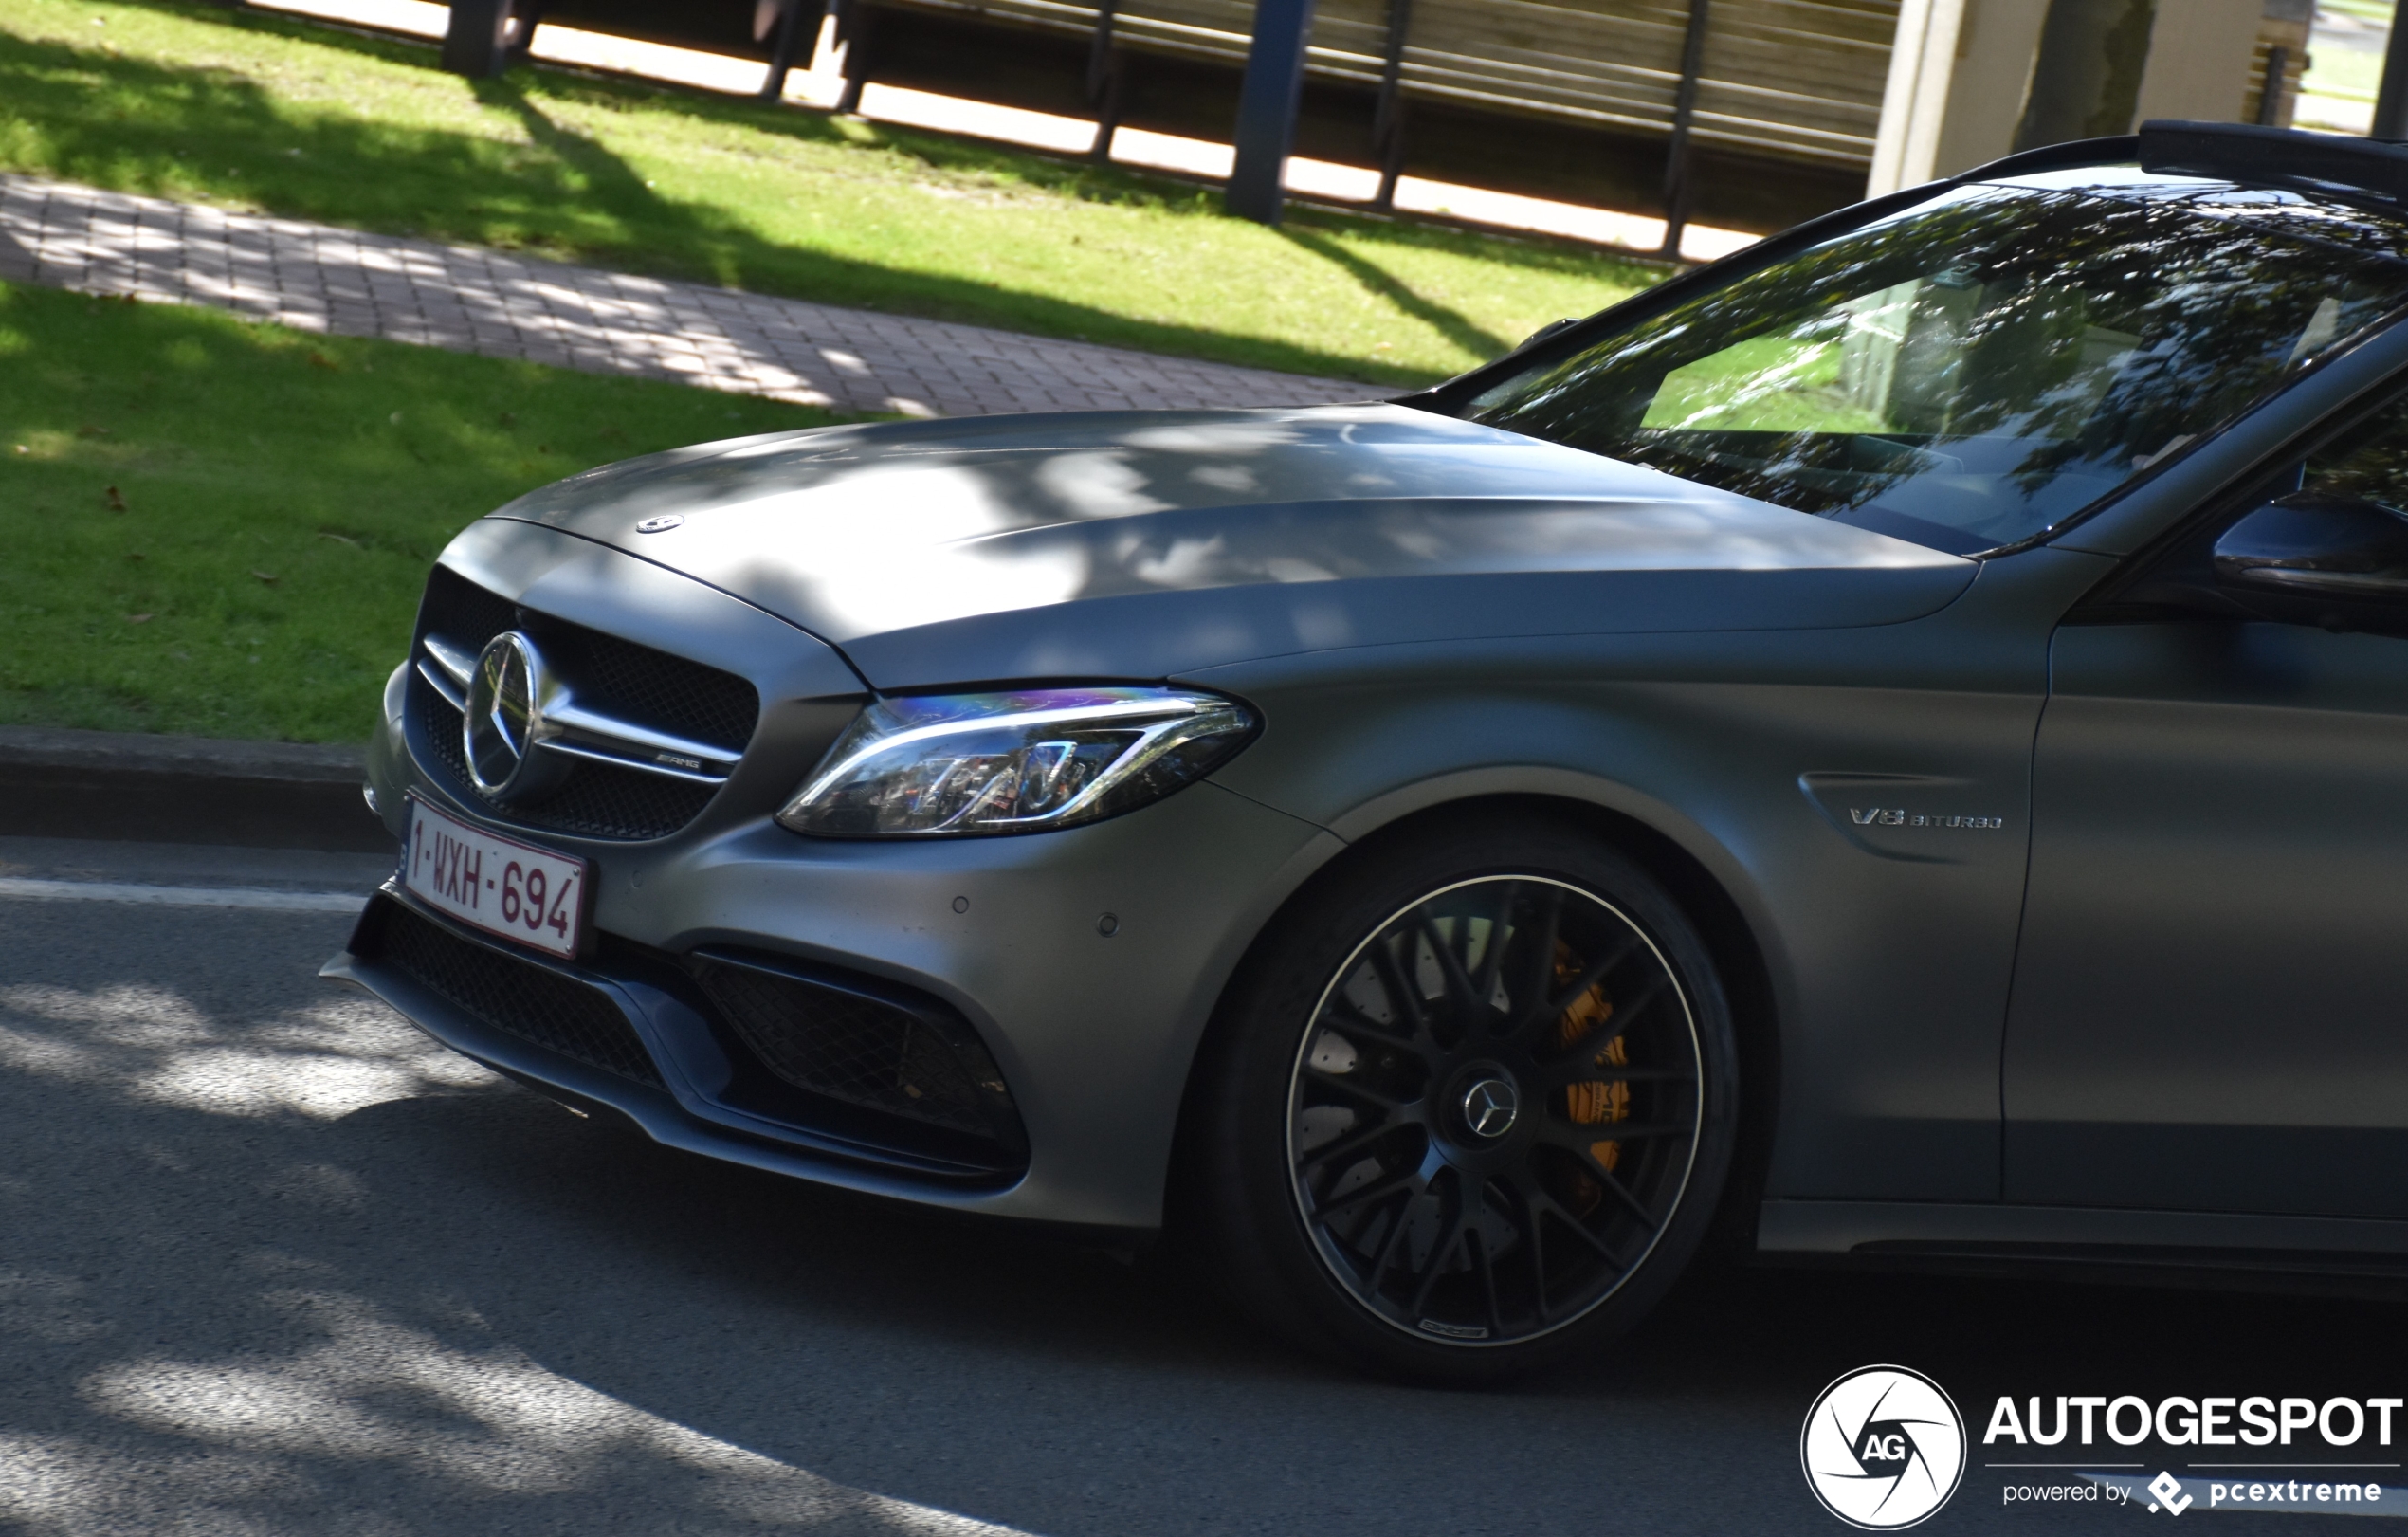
x=1147, y=543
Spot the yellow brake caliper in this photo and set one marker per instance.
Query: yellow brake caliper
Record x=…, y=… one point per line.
x=1592, y=1103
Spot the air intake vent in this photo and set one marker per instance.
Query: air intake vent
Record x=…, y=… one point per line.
x=864, y=1044
x=514, y=995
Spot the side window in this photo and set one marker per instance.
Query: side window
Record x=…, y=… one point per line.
x=2367, y=463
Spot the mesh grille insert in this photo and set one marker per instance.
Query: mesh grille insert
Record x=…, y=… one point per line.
x=918, y=1064
x=518, y=997
x=597, y=800
x=651, y=687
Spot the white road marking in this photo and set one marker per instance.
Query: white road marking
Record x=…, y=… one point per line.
x=261, y=898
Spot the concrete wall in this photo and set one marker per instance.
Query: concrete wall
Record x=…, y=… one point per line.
x=2199, y=55
x=1961, y=71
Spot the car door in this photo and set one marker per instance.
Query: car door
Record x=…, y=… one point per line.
x=2209, y=1005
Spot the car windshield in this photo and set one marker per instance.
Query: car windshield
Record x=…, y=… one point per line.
x=1964, y=373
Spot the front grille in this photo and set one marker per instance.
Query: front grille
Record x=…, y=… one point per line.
x=605, y=672
x=461, y=611
x=515, y=996
x=596, y=800
x=899, y=1057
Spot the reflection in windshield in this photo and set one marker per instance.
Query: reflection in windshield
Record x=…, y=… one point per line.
x=1965, y=374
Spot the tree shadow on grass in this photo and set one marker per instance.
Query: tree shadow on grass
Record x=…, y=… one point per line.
x=186, y=134
x=1452, y=324
x=134, y=125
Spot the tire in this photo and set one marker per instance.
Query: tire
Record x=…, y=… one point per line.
x=1395, y=1152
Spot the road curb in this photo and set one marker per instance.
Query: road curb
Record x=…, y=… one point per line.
x=159, y=789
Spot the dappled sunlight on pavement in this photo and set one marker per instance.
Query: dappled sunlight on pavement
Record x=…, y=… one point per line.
x=323, y=1061
x=273, y=1265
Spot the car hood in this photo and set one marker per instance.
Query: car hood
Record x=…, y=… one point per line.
x=1148, y=543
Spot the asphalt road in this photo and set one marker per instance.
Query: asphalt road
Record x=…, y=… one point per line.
x=272, y=1263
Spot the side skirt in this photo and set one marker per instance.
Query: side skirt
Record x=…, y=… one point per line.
x=2150, y=1245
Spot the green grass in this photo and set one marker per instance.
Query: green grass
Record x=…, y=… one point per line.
x=248, y=110
x=221, y=528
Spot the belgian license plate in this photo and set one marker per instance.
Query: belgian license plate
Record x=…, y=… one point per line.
x=496, y=884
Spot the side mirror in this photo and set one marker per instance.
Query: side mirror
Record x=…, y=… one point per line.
x=2312, y=558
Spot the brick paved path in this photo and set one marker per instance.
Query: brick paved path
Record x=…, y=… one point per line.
x=320, y=278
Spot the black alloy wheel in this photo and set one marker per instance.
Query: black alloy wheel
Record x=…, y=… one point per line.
x=1502, y=1108
x=1495, y=1110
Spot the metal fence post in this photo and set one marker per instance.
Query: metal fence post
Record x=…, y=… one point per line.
x=476, y=38
x=1266, y=108
x=1105, y=77
x=1676, y=154
x=2391, y=100
x=1388, y=116
x=786, y=38
x=856, y=21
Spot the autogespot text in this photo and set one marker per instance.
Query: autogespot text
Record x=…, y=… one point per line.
x=2130, y=1419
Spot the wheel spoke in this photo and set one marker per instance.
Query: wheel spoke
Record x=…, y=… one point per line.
x=1449, y=965
x=1548, y=1003
x=1388, y=1247
x=1540, y=966
x=1617, y=1024
x=1623, y=949
x=1535, y=1241
x=1346, y=1013
x=1411, y=1179
x=1348, y=1146
x=1484, y=986
x=1347, y=1020
x=1444, y=1250
x=1543, y=1203
x=1347, y=1083
x=1403, y=997
x=1578, y=1136
x=1622, y=1193
x=1477, y=1242
x=1584, y=1069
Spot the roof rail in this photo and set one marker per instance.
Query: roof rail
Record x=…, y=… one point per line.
x=2072, y=154
x=2230, y=151
x=2238, y=151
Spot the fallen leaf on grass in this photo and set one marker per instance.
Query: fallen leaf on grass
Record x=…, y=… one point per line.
x=138, y=618
x=339, y=539
x=265, y=577
x=318, y=359
x=116, y=500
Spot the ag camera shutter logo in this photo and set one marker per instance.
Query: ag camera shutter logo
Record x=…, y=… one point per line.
x=1883, y=1448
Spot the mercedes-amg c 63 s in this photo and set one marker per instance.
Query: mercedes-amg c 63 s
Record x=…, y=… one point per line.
x=1894, y=743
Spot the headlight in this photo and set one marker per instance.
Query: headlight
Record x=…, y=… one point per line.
x=1020, y=762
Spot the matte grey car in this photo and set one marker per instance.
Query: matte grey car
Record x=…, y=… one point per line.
x=1894, y=745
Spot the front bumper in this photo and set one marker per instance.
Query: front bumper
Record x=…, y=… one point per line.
x=1092, y=1034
